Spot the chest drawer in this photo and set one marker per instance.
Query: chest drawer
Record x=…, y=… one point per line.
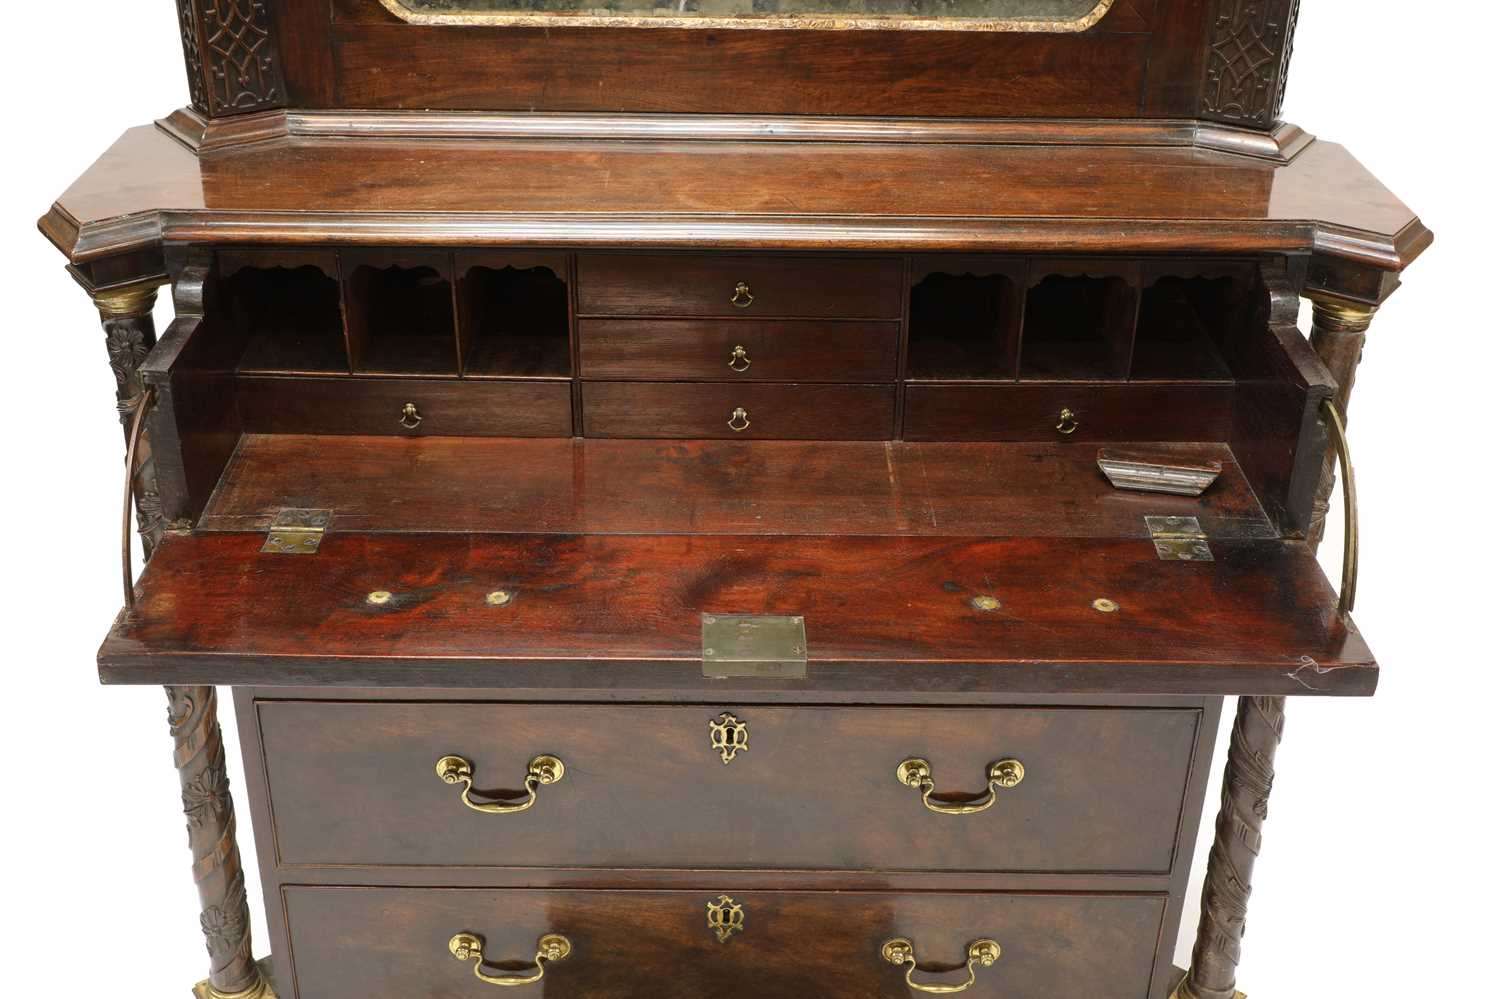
x=742, y=287
x=749, y=411
x=449, y=407
x=357, y=783
x=709, y=350
x=1069, y=412
x=354, y=943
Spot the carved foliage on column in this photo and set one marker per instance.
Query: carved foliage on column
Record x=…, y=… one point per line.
x=1338, y=338
x=1237, y=839
x=232, y=59
x=129, y=335
x=192, y=714
x=1250, y=46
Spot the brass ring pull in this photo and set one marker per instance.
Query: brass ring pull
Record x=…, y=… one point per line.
x=1350, y=579
x=902, y=952
x=1067, y=421
x=410, y=418
x=917, y=773
x=552, y=948
x=739, y=419
x=742, y=298
x=739, y=360
x=542, y=770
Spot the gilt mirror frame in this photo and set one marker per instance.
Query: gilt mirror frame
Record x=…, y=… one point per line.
x=811, y=20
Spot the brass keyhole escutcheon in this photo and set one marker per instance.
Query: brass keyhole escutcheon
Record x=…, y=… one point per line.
x=739, y=359
x=739, y=419
x=728, y=736
x=410, y=418
x=726, y=917
x=1067, y=421
x=742, y=297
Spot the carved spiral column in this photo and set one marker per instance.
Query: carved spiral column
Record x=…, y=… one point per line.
x=192, y=713
x=1338, y=337
x=129, y=335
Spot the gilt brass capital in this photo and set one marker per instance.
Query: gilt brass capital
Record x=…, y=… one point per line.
x=1338, y=316
x=128, y=302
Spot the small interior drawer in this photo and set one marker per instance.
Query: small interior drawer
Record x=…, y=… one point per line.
x=747, y=351
x=355, y=943
x=740, y=287
x=356, y=783
x=740, y=411
x=1071, y=412
x=449, y=407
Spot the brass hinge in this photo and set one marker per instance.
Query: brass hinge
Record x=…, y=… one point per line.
x=297, y=532
x=1179, y=539
x=754, y=645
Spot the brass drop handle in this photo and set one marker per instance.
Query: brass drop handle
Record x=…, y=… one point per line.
x=552, y=947
x=902, y=952
x=1349, y=582
x=1067, y=421
x=410, y=418
x=1003, y=775
x=742, y=298
x=739, y=360
x=541, y=771
x=739, y=419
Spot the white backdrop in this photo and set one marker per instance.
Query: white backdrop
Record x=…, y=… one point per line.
x=1377, y=877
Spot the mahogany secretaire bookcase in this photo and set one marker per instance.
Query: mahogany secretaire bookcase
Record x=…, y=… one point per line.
x=753, y=499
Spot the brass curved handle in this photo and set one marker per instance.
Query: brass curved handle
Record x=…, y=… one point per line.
x=1003, y=775
x=1350, y=578
x=901, y=951
x=541, y=771
x=739, y=419
x=410, y=418
x=739, y=359
x=552, y=947
x=1067, y=421
x=742, y=298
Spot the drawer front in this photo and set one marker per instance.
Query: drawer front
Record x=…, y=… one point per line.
x=355, y=943
x=355, y=783
x=1098, y=412
x=468, y=408
x=774, y=287
x=770, y=412
x=708, y=350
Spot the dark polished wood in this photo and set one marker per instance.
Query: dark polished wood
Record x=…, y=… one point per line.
x=591, y=486
x=1075, y=198
x=708, y=410
x=279, y=405
x=357, y=942
x=1248, y=620
x=1140, y=412
x=374, y=799
x=739, y=350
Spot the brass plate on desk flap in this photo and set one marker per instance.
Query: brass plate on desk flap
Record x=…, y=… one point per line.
x=754, y=645
x=297, y=532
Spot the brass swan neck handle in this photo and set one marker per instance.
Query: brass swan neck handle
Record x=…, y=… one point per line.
x=1002, y=776
x=551, y=948
x=541, y=771
x=901, y=951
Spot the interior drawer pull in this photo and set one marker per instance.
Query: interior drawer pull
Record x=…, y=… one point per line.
x=903, y=952
x=742, y=298
x=410, y=418
x=1067, y=421
x=541, y=770
x=917, y=773
x=739, y=419
x=552, y=947
x=739, y=359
